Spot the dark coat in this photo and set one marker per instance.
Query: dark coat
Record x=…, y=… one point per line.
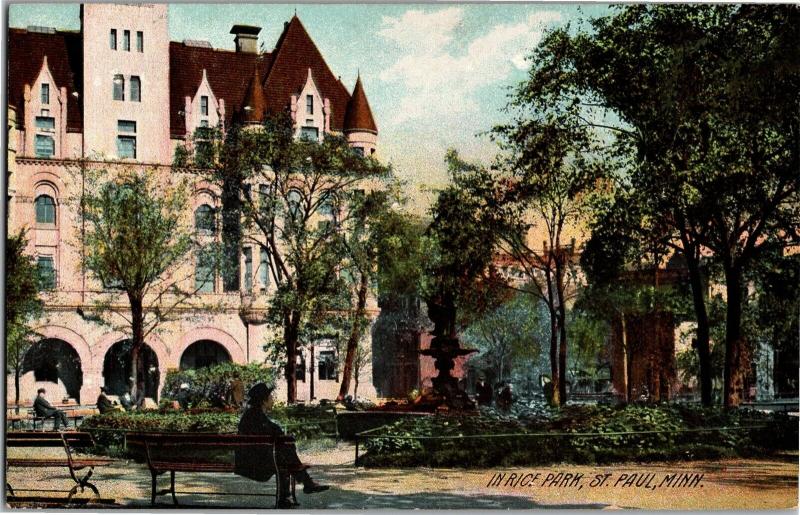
x=43, y=408
x=104, y=404
x=257, y=463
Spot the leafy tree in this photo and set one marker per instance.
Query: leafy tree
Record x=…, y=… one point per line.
x=699, y=110
x=509, y=337
x=138, y=245
x=291, y=197
x=23, y=304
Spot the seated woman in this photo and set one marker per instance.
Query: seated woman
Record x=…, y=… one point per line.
x=257, y=463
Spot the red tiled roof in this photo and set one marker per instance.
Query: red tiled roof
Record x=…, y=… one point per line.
x=294, y=54
x=359, y=115
x=255, y=99
x=229, y=74
x=64, y=51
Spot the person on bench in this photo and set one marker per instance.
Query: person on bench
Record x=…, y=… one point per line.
x=256, y=463
x=44, y=409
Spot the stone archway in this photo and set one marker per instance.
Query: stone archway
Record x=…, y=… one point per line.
x=53, y=360
x=204, y=353
x=233, y=348
x=117, y=369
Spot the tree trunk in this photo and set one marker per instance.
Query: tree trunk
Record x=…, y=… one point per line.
x=703, y=337
x=291, y=324
x=355, y=337
x=554, y=370
x=625, y=385
x=562, y=327
x=17, y=371
x=137, y=343
x=734, y=344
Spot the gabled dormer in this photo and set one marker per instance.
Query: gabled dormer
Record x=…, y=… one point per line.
x=311, y=113
x=204, y=109
x=45, y=116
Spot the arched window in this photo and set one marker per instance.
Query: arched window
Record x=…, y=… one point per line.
x=204, y=219
x=119, y=87
x=294, y=204
x=136, y=89
x=45, y=210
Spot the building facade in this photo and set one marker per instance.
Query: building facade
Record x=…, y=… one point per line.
x=119, y=93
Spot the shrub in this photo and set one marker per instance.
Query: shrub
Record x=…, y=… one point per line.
x=630, y=433
x=213, y=387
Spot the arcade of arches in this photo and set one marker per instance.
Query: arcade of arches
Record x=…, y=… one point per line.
x=66, y=373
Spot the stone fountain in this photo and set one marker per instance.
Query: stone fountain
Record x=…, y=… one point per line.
x=444, y=349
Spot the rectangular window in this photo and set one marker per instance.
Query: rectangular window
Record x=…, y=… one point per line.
x=113, y=39
x=119, y=87
x=46, y=123
x=204, y=124
x=136, y=89
x=248, y=268
x=47, y=272
x=204, y=274
x=204, y=105
x=45, y=146
x=140, y=41
x=327, y=366
x=126, y=126
x=126, y=41
x=45, y=93
x=263, y=268
x=359, y=151
x=310, y=104
x=309, y=133
x=126, y=142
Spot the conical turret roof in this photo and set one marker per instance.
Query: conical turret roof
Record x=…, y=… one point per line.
x=255, y=103
x=358, y=116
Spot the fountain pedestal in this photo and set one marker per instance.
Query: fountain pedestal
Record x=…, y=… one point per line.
x=446, y=392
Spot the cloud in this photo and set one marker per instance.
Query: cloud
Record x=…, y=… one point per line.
x=439, y=73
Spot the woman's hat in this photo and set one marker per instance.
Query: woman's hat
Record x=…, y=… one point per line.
x=259, y=392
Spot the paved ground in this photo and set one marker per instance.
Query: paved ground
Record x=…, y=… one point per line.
x=737, y=484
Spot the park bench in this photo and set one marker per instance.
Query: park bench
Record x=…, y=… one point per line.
x=182, y=452
x=72, y=443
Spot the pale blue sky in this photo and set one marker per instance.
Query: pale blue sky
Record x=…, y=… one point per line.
x=435, y=75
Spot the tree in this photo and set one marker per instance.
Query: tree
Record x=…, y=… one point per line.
x=699, y=109
x=137, y=245
x=375, y=227
x=509, y=337
x=23, y=304
x=290, y=197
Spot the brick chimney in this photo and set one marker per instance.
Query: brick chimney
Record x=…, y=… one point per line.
x=246, y=38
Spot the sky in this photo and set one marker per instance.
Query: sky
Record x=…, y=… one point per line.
x=436, y=75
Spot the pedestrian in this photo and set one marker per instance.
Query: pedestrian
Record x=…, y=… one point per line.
x=256, y=463
x=44, y=409
x=183, y=396
x=505, y=397
x=483, y=392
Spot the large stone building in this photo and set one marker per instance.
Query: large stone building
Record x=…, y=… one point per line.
x=120, y=93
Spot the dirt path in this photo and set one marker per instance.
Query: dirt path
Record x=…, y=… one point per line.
x=732, y=484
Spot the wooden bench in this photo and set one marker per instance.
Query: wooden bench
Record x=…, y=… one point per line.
x=178, y=452
x=71, y=442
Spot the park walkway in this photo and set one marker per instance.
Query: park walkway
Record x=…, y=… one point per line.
x=735, y=484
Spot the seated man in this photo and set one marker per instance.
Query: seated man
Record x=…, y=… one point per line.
x=104, y=404
x=256, y=463
x=44, y=409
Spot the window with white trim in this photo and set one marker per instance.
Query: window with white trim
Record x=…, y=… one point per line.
x=136, y=89
x=119, y=87
x=45, y=210
x=45, y=94
x=45, y=266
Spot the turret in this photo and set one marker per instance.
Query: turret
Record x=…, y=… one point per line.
x=359, y=125
x=255, y=104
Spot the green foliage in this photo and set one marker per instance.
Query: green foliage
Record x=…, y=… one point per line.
x=510, y=338
x=213, y=386
x=291, y=196
x=641, y=433
x=22, y=303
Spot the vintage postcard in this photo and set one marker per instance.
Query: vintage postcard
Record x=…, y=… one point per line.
x=402, y=256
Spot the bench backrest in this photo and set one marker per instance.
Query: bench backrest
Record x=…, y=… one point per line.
x=33, y=439
x=183, y=447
